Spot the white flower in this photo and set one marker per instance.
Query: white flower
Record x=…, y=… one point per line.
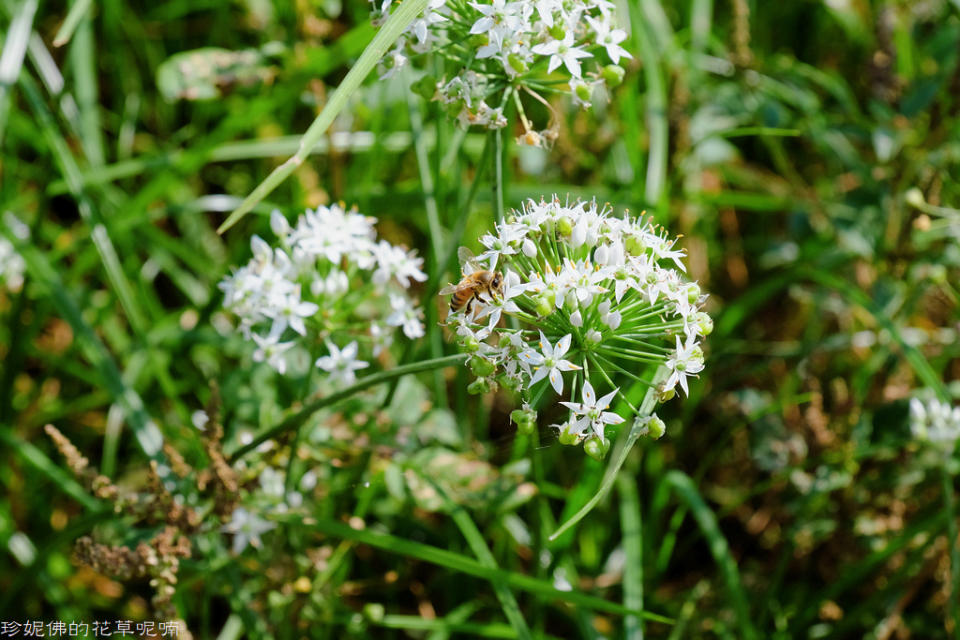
x=199, y=419
x=550, y=363
x=395, y=262
x=935, y=422
x=563, y=52
x=405, y=315
x=246, y=528
x=593, y=412
x=686, y=360
x=271, y=350
x=271, y=482
x=610, y=39
x=341, y=364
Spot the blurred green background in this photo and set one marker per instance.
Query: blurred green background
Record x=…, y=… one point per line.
x=807, y=151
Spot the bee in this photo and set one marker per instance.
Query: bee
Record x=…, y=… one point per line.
x=476, y=281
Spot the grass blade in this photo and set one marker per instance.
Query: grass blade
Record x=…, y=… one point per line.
x=469, y=566
x=632, y=526
x=687, y=492
x=77, y=11
x=391, y=30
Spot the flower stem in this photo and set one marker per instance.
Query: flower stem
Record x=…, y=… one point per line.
x=296, y=420
x=498, y=173
x=624, y=445
x=948, y=503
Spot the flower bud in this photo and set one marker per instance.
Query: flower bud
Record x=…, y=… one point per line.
x=663, y=395
x=583, y=92
x=478, y=386
x=612, y=74
x=545, y=304
x=567, y=437
x=517, y=63
x=656, y=427
x=693, y=292
x=914, y=198
x=525, y=419
x=469, y=344
x=481, y=367
x=564, y=226
x=529, y=248
x=425, y=87
x=594, y=336
x=279, y=224
x=704, y=323
x=594, y=447
x=601, y=255
x=510, y=382
x=374, y=611
x=576, y=319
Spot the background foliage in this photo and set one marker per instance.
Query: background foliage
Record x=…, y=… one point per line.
x=780, y=138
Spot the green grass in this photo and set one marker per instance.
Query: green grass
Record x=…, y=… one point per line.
x=787, y=499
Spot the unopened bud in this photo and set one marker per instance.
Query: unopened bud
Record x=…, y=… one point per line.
x=481, y=367
x=612, y=74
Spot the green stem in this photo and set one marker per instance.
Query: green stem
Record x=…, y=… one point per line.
x=948, y=503
x=498, y=173
x=624, y=445
x=297, y=420
x=395, y=25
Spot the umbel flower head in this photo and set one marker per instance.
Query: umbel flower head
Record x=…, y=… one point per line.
x=498, y=50
x=587, y=298
x=935, y=422
x=330, y=286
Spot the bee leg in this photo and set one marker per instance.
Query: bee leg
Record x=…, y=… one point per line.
x=468, y=307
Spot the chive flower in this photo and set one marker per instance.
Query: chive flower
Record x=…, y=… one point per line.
x=493, y=51
x=587, y=299
x=328, y=286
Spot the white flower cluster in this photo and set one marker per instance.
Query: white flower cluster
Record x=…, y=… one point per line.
x=589, y=296
x=935, y=422
x=330, y=282
x=12, y=265
x=498, y=47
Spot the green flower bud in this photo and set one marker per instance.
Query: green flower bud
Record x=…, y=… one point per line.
x=526, y=420
x=567, y=438
x=612, y=74
x=481, y=367
x=517, y=63
x=914, y=198
x=583, y=92
x=545, y=304
x=565, y=226
x=425, y=87
x=478, y=40
x=509, y=382
x=656, y=427
x=469, y=344
x=704, y=323
x=594, y=448
x=663, y=395
x=478, y=386
x=634, y=245
x=374, y=611
x=693, y=292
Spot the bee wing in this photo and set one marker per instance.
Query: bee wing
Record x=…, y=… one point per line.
x=468, y=260
x=447, y=290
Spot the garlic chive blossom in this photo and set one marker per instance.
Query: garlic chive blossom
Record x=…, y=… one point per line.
x=328, y=281
x=490, y=53
x=598, y=299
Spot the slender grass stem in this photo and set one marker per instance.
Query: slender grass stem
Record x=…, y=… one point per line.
x=297, y=419
x=395, y=25
x=949, y=507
